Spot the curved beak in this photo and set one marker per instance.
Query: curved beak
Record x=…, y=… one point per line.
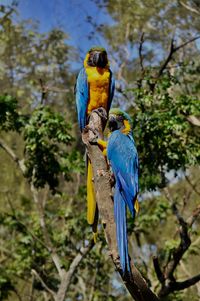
x=112, y=124
x=100, y=59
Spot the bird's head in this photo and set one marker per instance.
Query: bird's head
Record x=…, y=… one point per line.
x=97, y=57
x=119, y=120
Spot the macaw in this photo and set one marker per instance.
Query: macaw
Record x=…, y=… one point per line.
x=94, y=89
x=123, y=159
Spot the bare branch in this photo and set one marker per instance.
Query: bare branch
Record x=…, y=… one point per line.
x=158, y=271
x=186, y=43
x=51, y=292
x=169, y=284
x=167, y=60
x=193, y=120
x=44, y=91
x=140, y=53
x=184, y=236
x=172, y=50
x=67, y=276
x=192, y=9
x=12, y=155
x=194, y=216
x=187, y=283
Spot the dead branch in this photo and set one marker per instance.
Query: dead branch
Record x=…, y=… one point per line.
x=136, y=285
x=187, y=283
x=44, y=91
x=169, y=283
x=172, y=50
x=185, y=240
x=67, y=276
x=193, y=120
x=194, y=216
x=51, y=292
x=191, y=9
x=169, y=57
x=157, y=269
x=140, y=53
x=12, y=155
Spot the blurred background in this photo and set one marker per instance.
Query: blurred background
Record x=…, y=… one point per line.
x=154, y=53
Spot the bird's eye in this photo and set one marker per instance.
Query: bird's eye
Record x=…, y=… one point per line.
x=120, y=118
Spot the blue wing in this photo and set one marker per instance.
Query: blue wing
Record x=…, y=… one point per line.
x=123, y=157
x=81, y=91
x=112, y=89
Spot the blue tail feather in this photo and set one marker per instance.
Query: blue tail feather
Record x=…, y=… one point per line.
x=121, y=229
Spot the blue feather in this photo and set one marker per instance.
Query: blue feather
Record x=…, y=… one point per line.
x=82, y=96
x=120, y=220
x=123, y=158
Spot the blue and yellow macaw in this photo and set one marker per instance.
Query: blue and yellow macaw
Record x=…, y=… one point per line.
x=94, y=89
x=123, y=158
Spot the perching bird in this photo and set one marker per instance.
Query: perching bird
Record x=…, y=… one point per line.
x=123, y=158
x=94, y=89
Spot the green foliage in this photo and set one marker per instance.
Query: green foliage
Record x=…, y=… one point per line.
x=43, y=134
x=166, y=141
x=5, y=284
x=153, y=213
x=9, y=116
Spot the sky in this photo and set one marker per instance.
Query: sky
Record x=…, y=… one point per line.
x=69, y=15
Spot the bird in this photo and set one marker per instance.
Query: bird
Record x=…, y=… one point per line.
x=94, y=88
x=123, y=158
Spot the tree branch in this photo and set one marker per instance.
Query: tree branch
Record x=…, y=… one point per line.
x=172, y=50
x=193, y=120
x=184, y=243
x=169, y=284
x=67, y=277
x=192, y=9
x=140, y=53
x=12, y=155
x=51, y=292
x=136, y=285
x=167, y=60
x=157, y=269
x=187, y=283
x=194, y=216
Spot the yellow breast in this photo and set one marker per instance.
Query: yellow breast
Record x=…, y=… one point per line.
x=98, y=80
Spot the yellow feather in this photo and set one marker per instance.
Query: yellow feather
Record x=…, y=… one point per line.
x=102, y=143
x=98, y=80
x=95, y=235
x=127, y=127
x=137, y=206
x=91, y=201
x=103, y=146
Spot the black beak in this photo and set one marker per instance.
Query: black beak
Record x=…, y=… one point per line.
x=112, y=124
x=100, y=59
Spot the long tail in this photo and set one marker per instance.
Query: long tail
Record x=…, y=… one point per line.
x=121, y=229
x=92, y=212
